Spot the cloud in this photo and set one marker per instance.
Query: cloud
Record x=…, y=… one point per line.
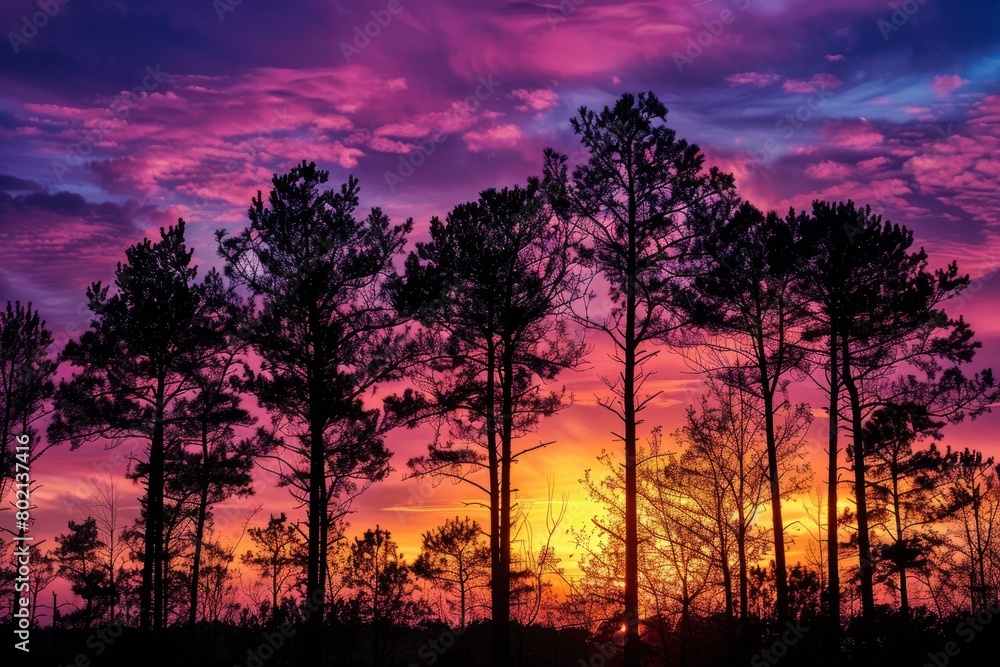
x=540, y=99
x=946, y=84
x=829, y=170
x=498, y=136
x=10, y=183
x=56, y=243
x=964, y=168
x=753, y=79
x=821, y=81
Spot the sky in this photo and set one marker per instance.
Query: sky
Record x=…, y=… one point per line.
x=117, y=118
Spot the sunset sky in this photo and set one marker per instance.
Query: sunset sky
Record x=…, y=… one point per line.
x=117, y=118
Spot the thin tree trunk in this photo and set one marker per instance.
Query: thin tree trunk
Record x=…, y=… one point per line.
x=904, y=597
x=744, y=583
x=199, y=534
x=314, y=584
x=727, y=589
x=631, y=488
x=500, y=584
x=506, y=435
x=199, y=531
x=780, y=573
x=151, y=588
x=461, y=595
x=833, y=478
x=317, y=484
x=864, y=539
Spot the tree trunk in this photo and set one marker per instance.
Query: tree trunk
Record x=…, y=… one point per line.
x=199, y=531
x=727, y=589
x=631, y=655
x=506, y=436
x=151, y=589
x=685, y=629
x=864, y=540
x=741, y=545
x=832, y=546
x=904, y=597
x=500, y=584
x=317, y=485
x=461, y=595
x=780, y=573
x=314, y=584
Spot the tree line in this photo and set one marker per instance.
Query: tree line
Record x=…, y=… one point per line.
x=319, y=307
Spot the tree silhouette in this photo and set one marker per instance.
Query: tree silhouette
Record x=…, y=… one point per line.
x=492, y=289
x=975, y=490
x=144, y=350
x=26, y=384
x=106, y=508
x=455, y=557
x=326, y=336
x=278, y=558
x=384, y=588
x=747, y=297
x=207, y=465
x=885, y=308
x=723, y=474
x=906, y=488
x=77, y=555
x=639, y=199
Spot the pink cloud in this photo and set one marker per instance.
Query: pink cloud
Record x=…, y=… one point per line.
x=874, y=164
x=498, y=136
x=947, y=83
x=822, y=81
x=540, y=99
x=828, y=170
x=755, y=79
x=857, y=135
x=384, y=145
x=836, y=58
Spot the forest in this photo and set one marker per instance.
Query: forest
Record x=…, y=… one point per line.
x=327, y=327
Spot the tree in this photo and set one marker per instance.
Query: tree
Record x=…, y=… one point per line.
x=25, y=381
x=78, y=554
x=26, y=385
x=975, y=489
x=106, y=507
x=640, y=199
x=384, y=587
x=144, y=350
x=824, y=281
x=747, y=302
x=278, y=559
x=455, y=557
x=885, y=311
x=723, y=474
x=533, y=569
x=678, y=554
x=491, y=290
x=206, y=464
x=219, y=593
x=326, y=337
x=906, y=488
